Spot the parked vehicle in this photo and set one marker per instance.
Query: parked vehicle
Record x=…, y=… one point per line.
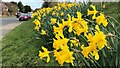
x=24, y=17
x=18, y=14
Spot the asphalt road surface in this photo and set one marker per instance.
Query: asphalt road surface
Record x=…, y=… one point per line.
x=7, y=24
x=6, y=21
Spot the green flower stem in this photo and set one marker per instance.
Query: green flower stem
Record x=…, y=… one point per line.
x=94, y=61
x=76, y=60
x=115, y=21
x=113, y=27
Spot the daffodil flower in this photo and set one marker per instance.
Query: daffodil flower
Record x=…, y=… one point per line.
x=101, y=19
x=53, y=13
x=37, y=28
x=37, y=23
x=62, y=13
x=44, y=54
x=80, y=25
x=103, y=6
x=74, y=42
x=53, y=20
x=34, y=14
x=64, y=55
x=62, y=42
x=44, y=15
x=70, y=22
x=94, y=12
x=43, y=32
x=96, y=43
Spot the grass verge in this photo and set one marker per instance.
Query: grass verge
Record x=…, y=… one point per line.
x=20, y=48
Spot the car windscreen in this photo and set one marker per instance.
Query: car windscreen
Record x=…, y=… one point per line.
x=23, y=15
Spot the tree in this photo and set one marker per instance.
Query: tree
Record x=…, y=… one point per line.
x=12, y=7
x=49, y=3
x=13, y=2
x=20, y=6
x=46, y=4
x=27, y=8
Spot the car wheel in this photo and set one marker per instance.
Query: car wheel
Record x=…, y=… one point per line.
x=19, y=19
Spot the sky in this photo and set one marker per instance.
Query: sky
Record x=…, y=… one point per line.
x=33, y=3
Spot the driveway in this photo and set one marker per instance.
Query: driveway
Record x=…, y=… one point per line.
x=7, y=24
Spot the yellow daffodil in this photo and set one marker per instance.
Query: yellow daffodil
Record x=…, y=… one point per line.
x=55, y=7
x=53, y=13
x=70, y=22
x=53, y=20
x=43, y=32
x=86, y=50
x=48, y=9
x=95, y=53
x=59, y=8
x=99, y=39
x=44, y=54
x=59, y=30
x=103, y=6
x=62, y=42
x=101, y=19
x=94, y=12
x=70, y=5
x=64, y=56
x=65, y=23
x=39, y=17
x=44, y=15
x=80, y=25
x=34, y=14
x=58, y=4
x=64, y=5
x=37, y=23
x=74, y=42
x=96, y=43
x=37, y=28
x=91, y=49
x=62, y=13
x=75, y=3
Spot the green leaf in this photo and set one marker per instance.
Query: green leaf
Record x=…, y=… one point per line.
x=86, y=62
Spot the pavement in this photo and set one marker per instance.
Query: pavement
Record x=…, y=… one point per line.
x=7, y=24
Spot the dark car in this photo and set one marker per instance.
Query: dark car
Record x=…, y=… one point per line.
x=18, y=14
x=24, y=17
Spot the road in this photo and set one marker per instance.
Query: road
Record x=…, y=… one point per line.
x=7, y=24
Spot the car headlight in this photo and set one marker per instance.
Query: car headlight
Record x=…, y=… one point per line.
x=25, y=17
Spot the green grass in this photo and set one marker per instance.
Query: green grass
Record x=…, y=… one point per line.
x=21, y=48
x=112, y=9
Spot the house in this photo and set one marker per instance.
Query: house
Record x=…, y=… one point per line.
x=12, y=8
x=3, y=9
x=8, y=9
